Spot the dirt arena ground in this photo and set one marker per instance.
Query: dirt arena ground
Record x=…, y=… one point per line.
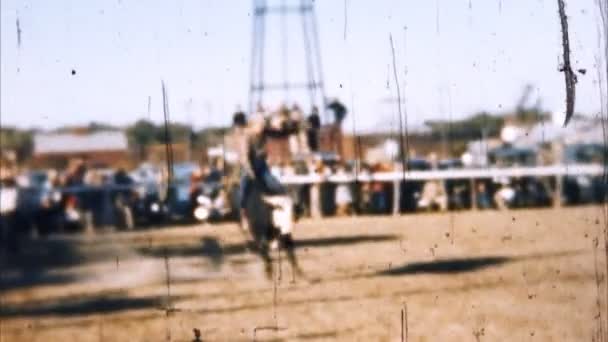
x=471, y=276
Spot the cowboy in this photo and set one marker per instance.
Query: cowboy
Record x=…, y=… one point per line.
x=250, y=140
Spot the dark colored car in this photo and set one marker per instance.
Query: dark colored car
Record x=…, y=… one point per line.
x=185, y=198
x=209, y=201
x=510, y=156
x=136, y=204
x=148, y=208
x=178, y=198
x=412, y=189
x=529, y=191
x=457, y=190
x=583, y=189
x=39, y=205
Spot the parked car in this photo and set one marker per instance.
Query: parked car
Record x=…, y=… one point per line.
x=150, y=207
x=511, y=156
x=38, y=204
x=581, y=189
x=178, y=193
x=209, y=201
x=526, y=191
x=411, y=190
x=457, y=190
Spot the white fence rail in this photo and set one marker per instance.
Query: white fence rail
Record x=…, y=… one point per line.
x=539, y=171
x=395, y=177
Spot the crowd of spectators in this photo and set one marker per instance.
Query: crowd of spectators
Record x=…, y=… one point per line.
x=377, y=197
x=342, y=199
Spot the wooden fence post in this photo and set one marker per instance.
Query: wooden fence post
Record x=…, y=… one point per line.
x=396, y=197
x=557, y=194
x=315, y=200
x=473, y=195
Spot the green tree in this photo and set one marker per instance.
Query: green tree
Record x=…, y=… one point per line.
x=142, y=134
x=98, y=126
x=469, y=128
x=20, y=141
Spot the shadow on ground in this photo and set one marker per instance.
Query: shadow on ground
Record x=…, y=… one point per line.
x=37, y=264
x=44, y=253
x=120, y=301
x=79, y=306
x=50, y=261
x=28, y=278
x=447, y=266
x=212, y=249
x=462, y=265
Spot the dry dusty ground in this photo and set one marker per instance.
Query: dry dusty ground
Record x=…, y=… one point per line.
x=484, y=276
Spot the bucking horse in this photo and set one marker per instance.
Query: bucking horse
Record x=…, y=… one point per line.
x=271, y=220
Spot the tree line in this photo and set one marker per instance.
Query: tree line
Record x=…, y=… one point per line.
x=144, y=133
x=141, y=134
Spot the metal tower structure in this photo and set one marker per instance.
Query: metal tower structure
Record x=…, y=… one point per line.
x=289, y=12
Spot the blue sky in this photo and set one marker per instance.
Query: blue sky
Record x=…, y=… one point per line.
x=461, y=56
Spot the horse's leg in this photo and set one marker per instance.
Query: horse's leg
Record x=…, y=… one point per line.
x=265, y=254
x=289, y=246
x=261, y=247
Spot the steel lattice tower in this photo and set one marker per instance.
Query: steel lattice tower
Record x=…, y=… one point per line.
x=288, y=12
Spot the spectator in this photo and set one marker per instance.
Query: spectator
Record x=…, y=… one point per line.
x=121, y=177
x=339, y=111
x=76, y=173
x=483, y=196
x=326, y=189
x=280, y=118
x=364, y=202
x=344, y=198
x=433, y=194
x=52, y=179
x=239, y=119
x=196, y=177
x=505, y=196
x=9, y=199
x=214, y=173
x=312, y=132
x=302, y=190
x=297, y=141
x=378, y=197
x=316, y=168
x=93, y=178
x=433, y=191
x=8, y=194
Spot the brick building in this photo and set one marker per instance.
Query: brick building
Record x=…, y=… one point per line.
x=99, y=149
